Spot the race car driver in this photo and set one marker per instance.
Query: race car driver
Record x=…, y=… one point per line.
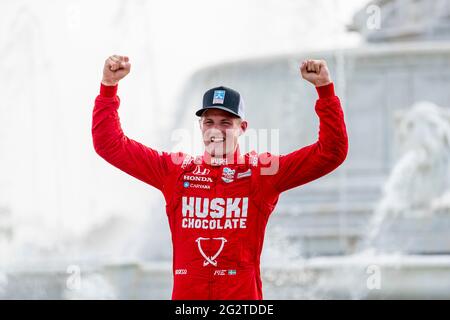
x=218, y=204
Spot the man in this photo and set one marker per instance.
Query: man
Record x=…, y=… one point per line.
x=218, y=204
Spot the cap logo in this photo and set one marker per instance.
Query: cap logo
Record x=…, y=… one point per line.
x=219, y=96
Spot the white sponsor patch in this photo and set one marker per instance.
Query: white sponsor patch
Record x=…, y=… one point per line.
x=244, y=174
x=228, y=175
x=220, y=272
x=219, y=96
x=180, y=271
x=214, y=214
x=187, y=184
x=219, y=161
x=196, y=178
x=216, y=208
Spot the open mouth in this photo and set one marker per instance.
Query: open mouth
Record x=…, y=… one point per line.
x=217, y=139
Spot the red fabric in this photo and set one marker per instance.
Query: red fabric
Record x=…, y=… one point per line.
x=326, y=91
x=108, y=91
x=218, y=213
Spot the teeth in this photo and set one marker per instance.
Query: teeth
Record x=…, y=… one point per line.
x=214, y=139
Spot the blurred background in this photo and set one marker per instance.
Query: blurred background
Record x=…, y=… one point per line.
x=74, y=227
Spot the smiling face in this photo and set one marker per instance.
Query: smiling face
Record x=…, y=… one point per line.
x=220, y=131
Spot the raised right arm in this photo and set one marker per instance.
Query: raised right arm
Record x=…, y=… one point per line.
x=128, y=155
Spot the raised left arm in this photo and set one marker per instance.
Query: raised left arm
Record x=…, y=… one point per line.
x=329, y=151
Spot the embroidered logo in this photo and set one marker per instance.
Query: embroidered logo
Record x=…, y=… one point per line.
x=210, y=260
x=219, y=96
x=201, y=172
x=244, y=174
x=228, y=175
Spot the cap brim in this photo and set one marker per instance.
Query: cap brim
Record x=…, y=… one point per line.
x=200, y=112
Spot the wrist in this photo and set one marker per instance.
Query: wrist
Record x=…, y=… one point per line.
x=109, y=83
x=321, y=83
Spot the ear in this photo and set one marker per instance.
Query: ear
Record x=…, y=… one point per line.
x=243, y=126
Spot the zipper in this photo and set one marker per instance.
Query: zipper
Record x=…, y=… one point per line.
x=210, y=271
x=214, y=193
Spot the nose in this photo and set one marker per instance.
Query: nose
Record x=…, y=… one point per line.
x=214, y=131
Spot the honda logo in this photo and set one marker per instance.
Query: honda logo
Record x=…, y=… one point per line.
x=198, y=171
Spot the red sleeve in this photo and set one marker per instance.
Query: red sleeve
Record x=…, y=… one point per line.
x=316, y=160
x=132, y=157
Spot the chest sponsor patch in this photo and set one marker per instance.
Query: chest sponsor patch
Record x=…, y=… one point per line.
x=188, y=184
x=244, y=174
x=216, y=213
x=197, y=178
x=228, y=175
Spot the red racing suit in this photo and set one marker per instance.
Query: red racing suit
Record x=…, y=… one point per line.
x=218, y=212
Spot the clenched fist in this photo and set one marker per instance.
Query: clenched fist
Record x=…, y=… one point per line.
x=316, y=72
x=116, y=67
